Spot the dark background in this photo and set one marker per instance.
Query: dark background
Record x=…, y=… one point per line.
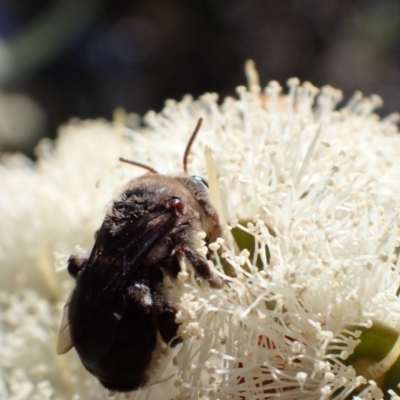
x=85, y=57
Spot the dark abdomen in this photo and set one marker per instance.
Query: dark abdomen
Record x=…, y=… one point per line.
x=125, y=364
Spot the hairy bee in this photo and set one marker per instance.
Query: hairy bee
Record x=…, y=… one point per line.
x=117, y=310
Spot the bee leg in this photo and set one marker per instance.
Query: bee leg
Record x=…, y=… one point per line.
x=165, y=313
x=167, y=326
x=201, y=266
x=76, y=263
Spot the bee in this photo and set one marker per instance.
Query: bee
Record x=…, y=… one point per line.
x=117, y=314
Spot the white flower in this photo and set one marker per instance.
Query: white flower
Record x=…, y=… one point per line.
x=312, y=190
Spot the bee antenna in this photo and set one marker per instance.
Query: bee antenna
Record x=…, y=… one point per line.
x=189, y=145
x=138, y=164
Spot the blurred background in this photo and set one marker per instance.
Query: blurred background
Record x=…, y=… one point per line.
x=83, y=58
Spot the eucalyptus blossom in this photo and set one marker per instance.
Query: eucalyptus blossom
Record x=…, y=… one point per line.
x=308, y=195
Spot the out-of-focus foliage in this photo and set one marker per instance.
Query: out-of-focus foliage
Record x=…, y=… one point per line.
x=136, y=53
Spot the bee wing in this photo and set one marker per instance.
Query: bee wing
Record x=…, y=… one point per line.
x=64, y=342
x=97, y=304
x=131, y=240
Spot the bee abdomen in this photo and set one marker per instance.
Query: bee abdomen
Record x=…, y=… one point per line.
x=125, y=365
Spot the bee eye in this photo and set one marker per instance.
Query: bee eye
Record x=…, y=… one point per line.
x=200, y=180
